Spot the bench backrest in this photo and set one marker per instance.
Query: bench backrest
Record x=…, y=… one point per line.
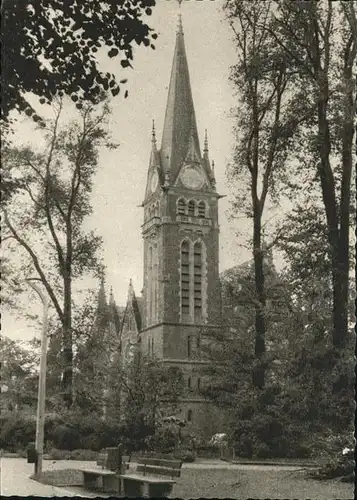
x=160, y=467
x=112, y=459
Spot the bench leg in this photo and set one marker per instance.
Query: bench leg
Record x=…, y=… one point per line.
x=146, y=490
x=130, y=489
x=111, y=484
x=92, y=482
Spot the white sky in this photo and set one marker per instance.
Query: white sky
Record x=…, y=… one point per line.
x=120, y=182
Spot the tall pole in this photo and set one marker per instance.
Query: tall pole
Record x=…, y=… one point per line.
x=40, y=421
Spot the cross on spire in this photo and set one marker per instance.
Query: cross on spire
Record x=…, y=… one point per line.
x=179, y=27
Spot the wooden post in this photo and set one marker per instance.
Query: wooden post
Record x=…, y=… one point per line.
x=40, y=420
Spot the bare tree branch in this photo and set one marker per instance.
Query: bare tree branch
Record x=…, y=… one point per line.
x=36, y=263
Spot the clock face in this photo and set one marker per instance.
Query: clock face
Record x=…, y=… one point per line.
x=153, y=181
x=192, y=177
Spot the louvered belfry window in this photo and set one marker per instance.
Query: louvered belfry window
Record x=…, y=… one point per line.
x=201, y=207
x=181, y=207
x=197, y=280
x=191, y=208
x=185, y=280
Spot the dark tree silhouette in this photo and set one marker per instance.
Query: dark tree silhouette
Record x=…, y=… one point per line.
x=50, y=47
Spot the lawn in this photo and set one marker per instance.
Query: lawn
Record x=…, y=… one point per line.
x=243, y=481
x=259, y=483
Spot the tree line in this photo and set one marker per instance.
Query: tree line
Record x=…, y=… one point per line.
x=293, y=81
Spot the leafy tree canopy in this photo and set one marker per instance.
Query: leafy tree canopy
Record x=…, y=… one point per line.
x=50, y=47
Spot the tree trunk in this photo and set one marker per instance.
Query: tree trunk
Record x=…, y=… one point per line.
x=341, y=278
x=260, y=320
x=338, y=239
x=67, y=379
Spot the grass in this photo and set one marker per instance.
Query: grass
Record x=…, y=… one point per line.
x=230, y=482
x=62, y=477
x=237, y=483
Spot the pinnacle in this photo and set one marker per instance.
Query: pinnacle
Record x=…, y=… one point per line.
x=153, y=133
x=111, y=296
x=205, y=148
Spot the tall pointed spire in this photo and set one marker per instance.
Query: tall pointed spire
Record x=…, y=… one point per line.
x=180, y=121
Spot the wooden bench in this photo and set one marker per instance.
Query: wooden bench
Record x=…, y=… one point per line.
x=106, y=478
x=154, y=477
x=103, y=480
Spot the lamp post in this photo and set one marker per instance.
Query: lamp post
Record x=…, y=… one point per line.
x=40, y=421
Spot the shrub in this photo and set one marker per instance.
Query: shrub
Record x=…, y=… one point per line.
x=208, y=451
x=56, y=454
x=187, y=456
x=301, y=451
x=16, y=433
x=85, y=455
x=78, y=431
x=164, y=440
x=343, y=467
x=262, y=450
x=22, y=453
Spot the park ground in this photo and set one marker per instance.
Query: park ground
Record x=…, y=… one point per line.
x=204, y=478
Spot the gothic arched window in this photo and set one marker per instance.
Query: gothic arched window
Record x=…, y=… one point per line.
x=189, y=346
x=149, y=288
x=181, y=206
x=189, y=416
x=201, y=209
x=197, y=277
x=191, y=208
x=185, y=280
x=154, y=284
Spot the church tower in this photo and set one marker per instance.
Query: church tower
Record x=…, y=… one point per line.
x=181, y=294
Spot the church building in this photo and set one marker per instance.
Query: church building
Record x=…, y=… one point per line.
x=181, y=295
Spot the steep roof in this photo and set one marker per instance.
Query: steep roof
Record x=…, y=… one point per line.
x=180, y=126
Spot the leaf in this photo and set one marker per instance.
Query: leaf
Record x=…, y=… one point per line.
x=113, y=52
x=115, y=91
x=30, y=32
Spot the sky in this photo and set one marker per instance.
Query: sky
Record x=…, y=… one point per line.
x=120, y=181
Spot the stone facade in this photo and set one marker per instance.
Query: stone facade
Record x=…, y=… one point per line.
x=181, y=293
